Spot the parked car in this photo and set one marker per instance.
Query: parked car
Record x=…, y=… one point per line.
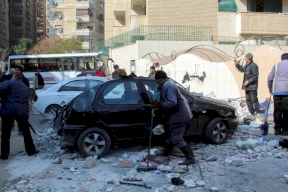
x=95, y=120
x=55, y=97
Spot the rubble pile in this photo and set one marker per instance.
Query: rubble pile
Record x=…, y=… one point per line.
x=47, y=140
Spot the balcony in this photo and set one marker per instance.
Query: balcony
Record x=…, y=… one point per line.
x=83, y=18
x=252, y=23
x=85, y=45
x=140, y=3
x=82, y=32
x=82, y=4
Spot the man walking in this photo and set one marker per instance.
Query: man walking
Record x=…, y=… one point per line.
x=15, y=106
x=250, y=83
x=38, y=81
x=152, y=72
x=177, y=116
x=278, y=86
x=117, y=73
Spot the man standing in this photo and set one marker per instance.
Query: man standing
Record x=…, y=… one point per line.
x=15, y=106
x=152, y=72
x=177, y=117
x=38, y=81
x=250, y=83
x=83, y=73
x=278, y=86
x=117, y=73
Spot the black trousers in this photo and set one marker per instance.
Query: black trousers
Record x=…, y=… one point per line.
x=7, y=124
x=175, y=136
x=281, y=112
x=252, y=101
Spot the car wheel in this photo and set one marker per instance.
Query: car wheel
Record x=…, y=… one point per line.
x=52, y=109
x=94, y=141
x=217, y=131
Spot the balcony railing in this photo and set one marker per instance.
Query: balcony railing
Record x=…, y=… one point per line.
x=262, y=24
x=83, y=18
x=82, y=4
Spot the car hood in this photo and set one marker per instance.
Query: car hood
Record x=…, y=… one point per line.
x=215, y=101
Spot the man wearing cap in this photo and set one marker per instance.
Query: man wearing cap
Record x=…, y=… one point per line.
x=175, y=108
x=83, y=73
x=278, y=86
x=18, y=69
x=117, y=73
x=250, y=83
x=152, y=72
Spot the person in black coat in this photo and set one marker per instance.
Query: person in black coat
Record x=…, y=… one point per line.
x=15, y=106
x=17, y=69
x=250, y=83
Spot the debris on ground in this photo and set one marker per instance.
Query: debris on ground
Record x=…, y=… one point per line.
x=90, y=162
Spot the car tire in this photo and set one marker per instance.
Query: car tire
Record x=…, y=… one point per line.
x=53, y=108
x=87, y=146
x=216, y=131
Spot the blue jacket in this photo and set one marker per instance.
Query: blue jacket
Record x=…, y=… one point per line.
x=175, y=105
x=15, y=98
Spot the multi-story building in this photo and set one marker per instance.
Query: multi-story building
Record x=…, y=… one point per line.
x=4, y=24
x=41, y=19
x=22, y=20
x=80, y=18
x=238, y=19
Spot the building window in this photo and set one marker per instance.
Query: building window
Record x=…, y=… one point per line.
x=101, y=17
x=227, y=5
x=28, y=15
x=16, y=35
x=17, y=24
x=2, y=30
x=17, y=1
x=2, y=16
x=17, y=12
x=28, y=3
x=82, y=12
x=101, y=29
x=27, y=25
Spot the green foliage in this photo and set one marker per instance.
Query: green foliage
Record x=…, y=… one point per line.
x=23, y=46
x=66, y=46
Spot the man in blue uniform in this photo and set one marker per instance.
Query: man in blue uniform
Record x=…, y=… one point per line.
x=176, y=119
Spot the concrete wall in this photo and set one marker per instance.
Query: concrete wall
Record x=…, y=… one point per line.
x=226, y=24
x=242, y=5
x=183, y=12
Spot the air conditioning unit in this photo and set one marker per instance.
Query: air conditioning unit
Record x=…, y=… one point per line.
x=60, y=30
x=60, y=16
x=55, y=3
x=81, y=24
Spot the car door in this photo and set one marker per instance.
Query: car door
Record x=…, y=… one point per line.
x=70, y=90
x=121, y=107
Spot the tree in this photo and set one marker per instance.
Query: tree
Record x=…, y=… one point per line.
x=66, y=46
x=23, y=47
x=45, y=44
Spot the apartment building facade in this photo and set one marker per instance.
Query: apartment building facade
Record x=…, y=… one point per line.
x=238, y=19
x=81, y=18
x=4, y=24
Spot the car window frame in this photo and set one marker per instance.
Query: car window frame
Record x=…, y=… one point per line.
x=85, y=85
x=101, y=99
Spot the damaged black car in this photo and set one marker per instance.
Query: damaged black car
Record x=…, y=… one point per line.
x=119, y=110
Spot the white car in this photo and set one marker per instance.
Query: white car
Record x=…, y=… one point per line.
x=58, y=95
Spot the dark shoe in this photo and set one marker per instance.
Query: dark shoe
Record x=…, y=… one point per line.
x=36, y=152
x=277, y=132
x=190, y=158
x=4, y=157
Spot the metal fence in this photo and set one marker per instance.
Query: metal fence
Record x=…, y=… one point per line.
x=161, y=33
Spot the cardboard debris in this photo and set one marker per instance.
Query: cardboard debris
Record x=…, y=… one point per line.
x=125, y=164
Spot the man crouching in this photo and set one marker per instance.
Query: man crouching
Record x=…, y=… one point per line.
x=177, y=117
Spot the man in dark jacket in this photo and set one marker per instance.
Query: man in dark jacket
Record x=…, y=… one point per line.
x=250, y=83
x=117, y=73
x=177, y=116
x=83, y=73
x=152, y=72
x=278, y=86
x=16, y=70
x=15, y=106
